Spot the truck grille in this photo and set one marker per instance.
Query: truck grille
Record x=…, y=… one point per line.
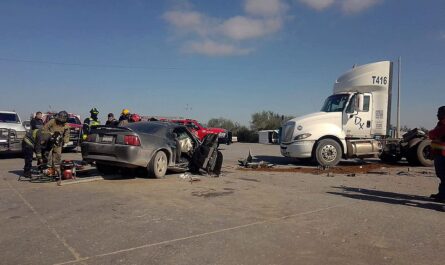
x=74, y=134
x=11, y=135
x=287, y=132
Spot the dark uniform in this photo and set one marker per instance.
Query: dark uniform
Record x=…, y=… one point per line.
x=37, y=141
x=437, y=135
x=111, y=120
x=36, y=124
x=58, y=125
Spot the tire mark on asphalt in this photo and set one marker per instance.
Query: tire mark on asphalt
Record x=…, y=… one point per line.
x=271, y=220
x=62, y=240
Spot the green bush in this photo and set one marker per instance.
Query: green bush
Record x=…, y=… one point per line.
x=247, y=136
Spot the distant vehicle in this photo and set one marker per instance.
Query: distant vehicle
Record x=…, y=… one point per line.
x=27, y=125
x=75, y=128
x=268, y=137
x=354, y=122
x=152, y=145
x=12, y=132
x=224, y=136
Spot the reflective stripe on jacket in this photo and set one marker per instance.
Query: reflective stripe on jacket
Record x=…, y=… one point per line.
x=438, y=147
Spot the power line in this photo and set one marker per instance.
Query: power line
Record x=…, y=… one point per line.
x=89, y=65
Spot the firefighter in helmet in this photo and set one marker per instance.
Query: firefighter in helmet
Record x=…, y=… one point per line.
x=90, y=122
x=124, y=119
x=58, y=124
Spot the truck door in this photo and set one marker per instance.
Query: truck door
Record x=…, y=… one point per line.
x=357, y=118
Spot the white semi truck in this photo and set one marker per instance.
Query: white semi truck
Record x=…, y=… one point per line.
x=354, y=122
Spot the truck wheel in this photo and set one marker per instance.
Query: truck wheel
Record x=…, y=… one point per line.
x=328, y=152
x=423, y=153
x=158, y=165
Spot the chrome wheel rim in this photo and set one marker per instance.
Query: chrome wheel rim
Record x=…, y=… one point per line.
x=329, y=153
x=161, y=163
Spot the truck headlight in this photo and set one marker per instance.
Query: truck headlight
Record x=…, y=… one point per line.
x=302, y=136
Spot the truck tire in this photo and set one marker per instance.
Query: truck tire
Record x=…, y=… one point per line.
x=423, y=153
x=158, y=165
x=328, y=152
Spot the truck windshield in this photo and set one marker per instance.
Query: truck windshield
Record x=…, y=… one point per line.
x=335, y=103
x=9, y=118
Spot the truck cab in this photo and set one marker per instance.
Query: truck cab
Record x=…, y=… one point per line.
x=350, y=122
x=224, y=136
x=12, y=132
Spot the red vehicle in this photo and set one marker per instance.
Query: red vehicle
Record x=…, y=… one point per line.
x=75, y=128
x=224, y=136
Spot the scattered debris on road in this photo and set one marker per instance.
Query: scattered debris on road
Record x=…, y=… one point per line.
x=249, y=163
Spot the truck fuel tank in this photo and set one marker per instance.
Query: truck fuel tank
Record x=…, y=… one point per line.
x=363, y=148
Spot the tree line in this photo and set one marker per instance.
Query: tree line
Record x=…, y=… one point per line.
x=263, y=120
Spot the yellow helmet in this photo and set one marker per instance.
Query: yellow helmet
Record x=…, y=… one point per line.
x=125, y=112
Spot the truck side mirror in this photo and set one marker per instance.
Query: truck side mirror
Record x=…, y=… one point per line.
x=359, y=102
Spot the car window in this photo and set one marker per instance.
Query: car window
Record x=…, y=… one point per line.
x=74, y=120
x=156, y=128
x=9, y=118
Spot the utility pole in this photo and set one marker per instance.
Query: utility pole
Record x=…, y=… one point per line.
x=398, y=97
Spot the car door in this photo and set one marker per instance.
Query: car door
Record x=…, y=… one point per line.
x=357, y=117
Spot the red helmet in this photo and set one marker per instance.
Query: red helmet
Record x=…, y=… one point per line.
x=135, y=118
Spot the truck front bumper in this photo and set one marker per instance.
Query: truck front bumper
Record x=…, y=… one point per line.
x=299, y=149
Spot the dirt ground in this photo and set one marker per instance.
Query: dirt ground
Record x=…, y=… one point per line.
x=361, y=212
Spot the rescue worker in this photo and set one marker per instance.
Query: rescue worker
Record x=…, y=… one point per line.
x=90, y=122
x=111, y=120
x=39, y=142
x=124, y=119
x=37, y=121
x=437, y=135
x=58, y=124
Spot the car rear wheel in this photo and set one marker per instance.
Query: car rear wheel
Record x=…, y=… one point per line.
x=158, y=165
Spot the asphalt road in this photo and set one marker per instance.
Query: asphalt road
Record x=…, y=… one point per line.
x=243, y=217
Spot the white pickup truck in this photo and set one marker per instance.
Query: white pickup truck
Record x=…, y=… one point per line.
x=12, y=132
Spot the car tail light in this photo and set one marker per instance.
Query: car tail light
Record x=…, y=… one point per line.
x=132, y=140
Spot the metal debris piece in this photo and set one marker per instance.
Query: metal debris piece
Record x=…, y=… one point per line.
x=350, y=175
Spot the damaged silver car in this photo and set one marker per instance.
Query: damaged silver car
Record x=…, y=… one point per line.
x=154, y=146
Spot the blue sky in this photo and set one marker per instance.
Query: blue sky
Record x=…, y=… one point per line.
x=220, y=58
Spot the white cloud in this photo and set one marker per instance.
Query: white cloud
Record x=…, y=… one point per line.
x=190, y=21
x=213, y=36
x=243, y=28
x=318, y=4
x=356, y=6
x=347, y=6
x=212, y=48
x=266, y=8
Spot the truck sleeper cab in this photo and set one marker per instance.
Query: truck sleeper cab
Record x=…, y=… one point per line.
x=349, y=122
x=354, y=123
